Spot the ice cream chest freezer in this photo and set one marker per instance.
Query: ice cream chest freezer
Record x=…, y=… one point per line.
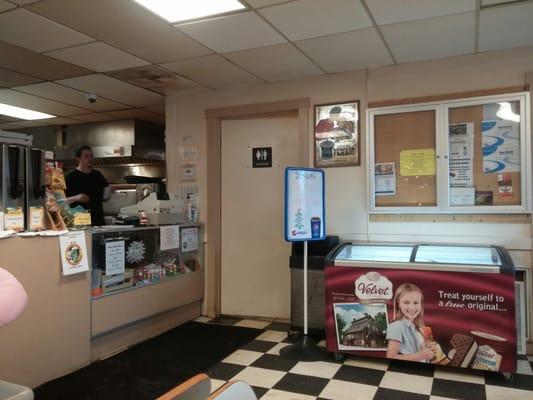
x=449, y=305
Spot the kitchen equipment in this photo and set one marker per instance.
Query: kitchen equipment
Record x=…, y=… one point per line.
x=12, y=181
x=161, y=209
x=146, y=185
x=35, y=185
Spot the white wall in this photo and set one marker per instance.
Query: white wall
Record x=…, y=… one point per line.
x=346, y=187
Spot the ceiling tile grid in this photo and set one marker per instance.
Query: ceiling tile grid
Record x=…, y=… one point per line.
x=241, y=31
x=54, y=52
x=395, y=11
x=53, y=91
x=98, y=57
x=307, y=19
x=19, y=99
x=431, y=38
x=213, y=71
x=124, y=25
x=275, y=63
x=4, y=5
x=114, y=89
x=506, y=26
x=29, y=30
x=347, y=51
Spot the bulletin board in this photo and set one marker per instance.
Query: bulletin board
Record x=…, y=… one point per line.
x=394, y=133
x=487, y=182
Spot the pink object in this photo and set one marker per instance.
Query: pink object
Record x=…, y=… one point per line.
x=13, y=297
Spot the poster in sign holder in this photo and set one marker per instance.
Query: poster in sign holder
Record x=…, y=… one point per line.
x=305, y=220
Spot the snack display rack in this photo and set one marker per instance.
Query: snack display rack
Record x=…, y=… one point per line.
x=450, y=305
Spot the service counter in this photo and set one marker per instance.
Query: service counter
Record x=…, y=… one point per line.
x=66, y=326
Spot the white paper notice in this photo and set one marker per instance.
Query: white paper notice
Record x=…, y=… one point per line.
x=385, y=179
x=189, y=239
x=73, y=249
x=189, y=153
x=115, y=257
x=305, y=205
x=169, y=237
x=462, y=196
x=461, y=155
x=501, y=146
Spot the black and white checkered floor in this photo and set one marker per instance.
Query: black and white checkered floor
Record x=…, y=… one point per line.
x=273, y=377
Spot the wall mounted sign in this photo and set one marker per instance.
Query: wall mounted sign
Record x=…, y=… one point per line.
x=262, y=157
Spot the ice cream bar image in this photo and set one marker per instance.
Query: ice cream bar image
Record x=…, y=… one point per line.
x=464, y=350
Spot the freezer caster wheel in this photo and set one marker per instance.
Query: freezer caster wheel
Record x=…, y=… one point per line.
x=339, y=357
x=508, y=376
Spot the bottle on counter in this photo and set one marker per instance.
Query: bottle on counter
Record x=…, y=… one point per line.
x=192, y=214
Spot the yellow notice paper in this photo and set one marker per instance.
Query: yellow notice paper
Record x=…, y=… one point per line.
x=417, y=162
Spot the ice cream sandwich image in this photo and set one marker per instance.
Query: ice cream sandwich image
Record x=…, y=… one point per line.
x=463, y=350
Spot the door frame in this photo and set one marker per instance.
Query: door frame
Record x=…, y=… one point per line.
x=214, y=118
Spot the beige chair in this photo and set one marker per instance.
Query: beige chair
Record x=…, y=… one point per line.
x=199, y=388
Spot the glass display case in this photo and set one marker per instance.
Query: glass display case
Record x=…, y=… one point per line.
x=450, y=305
x=129, y=257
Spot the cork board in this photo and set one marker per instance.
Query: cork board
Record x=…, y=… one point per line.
x=405, y=131
x=485, y=182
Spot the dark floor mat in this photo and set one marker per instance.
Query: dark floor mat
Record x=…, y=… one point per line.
x=151, y=368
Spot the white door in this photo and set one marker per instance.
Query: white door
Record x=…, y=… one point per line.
x=255, y=277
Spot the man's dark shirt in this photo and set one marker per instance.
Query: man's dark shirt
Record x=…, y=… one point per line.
x=92, y=184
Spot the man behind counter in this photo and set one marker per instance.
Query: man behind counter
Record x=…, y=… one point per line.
x=87, y=186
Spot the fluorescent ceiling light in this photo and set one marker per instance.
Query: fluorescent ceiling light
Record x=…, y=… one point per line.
x=22, y=113
x=184, y=10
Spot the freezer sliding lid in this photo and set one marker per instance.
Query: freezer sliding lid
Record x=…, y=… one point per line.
x=470, y=255
x=368, y=252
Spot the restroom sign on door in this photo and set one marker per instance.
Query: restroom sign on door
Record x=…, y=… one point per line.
x=262, y=157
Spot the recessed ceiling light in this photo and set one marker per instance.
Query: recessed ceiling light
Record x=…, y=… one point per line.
x=185, y=10
x=22, y=113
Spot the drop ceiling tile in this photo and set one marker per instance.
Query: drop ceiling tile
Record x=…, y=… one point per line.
x=394, y=11
x=11, y=78
x=506, y=27
x=53, y=91
x=136, y=31
x=4, y=5
x=156, y=109
x=213, y=71
x=307, y=19
x=234, y=32
x=95, y=117
x=347, y=51
x=137, y=114
x=113, y=89
x=155, y=78
x=23, y=2
x=27, y=62
x=264, y=3
x=35, y=103
x=27, y=29
x=275, y=63
x=97, y=56
x=39, y=122
x=431, y=38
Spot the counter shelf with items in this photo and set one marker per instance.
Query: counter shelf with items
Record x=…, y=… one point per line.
x=130, y=258
x=450, y=305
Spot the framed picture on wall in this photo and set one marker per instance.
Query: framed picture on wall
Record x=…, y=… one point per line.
x=337, y=135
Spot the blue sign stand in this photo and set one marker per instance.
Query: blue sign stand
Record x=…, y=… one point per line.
x=305, y=220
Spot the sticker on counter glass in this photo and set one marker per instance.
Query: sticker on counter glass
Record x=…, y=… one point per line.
x=115, y=257
x=169, y=237
x=73, y=251
x=189, y=239
x=304, y=204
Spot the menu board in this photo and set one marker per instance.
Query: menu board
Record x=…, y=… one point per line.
x=304, y=204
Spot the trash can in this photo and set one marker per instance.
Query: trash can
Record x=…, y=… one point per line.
x=317, y=251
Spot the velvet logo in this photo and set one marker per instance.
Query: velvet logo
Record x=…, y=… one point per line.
x=373, y=286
